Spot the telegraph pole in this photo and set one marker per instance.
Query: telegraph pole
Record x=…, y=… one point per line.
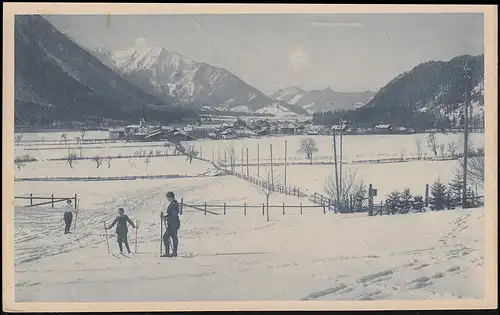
x=336, y=172
x=340, y=166
x=285, y=159
x=466, y=134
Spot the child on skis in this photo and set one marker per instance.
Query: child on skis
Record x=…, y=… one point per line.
x=122, y=229
x=68, y=216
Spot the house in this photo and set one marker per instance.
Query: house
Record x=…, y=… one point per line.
x=288, y=129
x=383, y=127
x=117, y=133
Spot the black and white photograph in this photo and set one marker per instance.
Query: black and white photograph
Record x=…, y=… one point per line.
x=190, y=156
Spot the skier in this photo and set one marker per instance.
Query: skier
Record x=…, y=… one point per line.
x=122, y=229
x=68, y=216
x=173, y=224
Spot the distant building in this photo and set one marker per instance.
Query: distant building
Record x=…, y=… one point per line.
x=117, y=133
x=383, y=127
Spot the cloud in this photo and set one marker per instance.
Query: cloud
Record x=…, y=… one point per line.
x=299, y=59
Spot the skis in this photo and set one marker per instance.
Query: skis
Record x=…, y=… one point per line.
x=161, y=234
x=106, y=233
x=136, y=227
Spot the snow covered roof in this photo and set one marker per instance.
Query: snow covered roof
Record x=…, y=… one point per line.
x=116, y=130
x=383, y=126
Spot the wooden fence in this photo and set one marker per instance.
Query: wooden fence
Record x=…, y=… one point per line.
x=52, y=199
x=101, y=178
x=279, y=188
x=116, y=157
x=205, y=208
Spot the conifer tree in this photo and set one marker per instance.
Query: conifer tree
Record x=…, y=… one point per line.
x=418, y=203
x=393, y=201
x=406, y=201
x=438, y=191
x=456, y=185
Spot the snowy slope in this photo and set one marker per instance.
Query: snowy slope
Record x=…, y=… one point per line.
x=169, y=74
x=322, y=100
x=435, y=255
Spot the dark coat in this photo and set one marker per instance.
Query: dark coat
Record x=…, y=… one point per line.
x=172, y=216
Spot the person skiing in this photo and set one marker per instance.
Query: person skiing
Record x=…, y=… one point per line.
x=68, y=216
x=173, y=224
x=121, y=229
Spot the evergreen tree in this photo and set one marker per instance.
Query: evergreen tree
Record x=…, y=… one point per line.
x=438, y=191
x=418, y=203
x=393, y=201
x=406, y=203
x=471, y=201
x=456, y=185
x=449, y=199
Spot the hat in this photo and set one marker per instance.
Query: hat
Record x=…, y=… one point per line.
x=170, y=194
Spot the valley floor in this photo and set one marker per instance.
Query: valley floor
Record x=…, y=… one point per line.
x=314, y=256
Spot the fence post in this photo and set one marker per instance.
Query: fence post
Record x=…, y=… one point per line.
x=52, y=200
x=324, y=209
x=370, y=200
x=283, y=208
x=31, y=199
x=205, y=208
x=75, y=200
x=245, y=209
x=182, y=206
x=301, y=208
x=314, y=201
x=263, y=208
x=224, y=208
x=298, y=192
x=426, y=195
x=329, y=203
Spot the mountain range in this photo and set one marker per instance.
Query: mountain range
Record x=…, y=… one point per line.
x=167, y=74
x=57, y=80
x=432, y=94
x=322, y=100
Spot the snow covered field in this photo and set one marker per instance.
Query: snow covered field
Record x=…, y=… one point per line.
x=313, y=256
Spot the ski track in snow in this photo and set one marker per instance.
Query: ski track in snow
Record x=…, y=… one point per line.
x=314, y=256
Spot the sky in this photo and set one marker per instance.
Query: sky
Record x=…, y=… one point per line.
x=346, y=52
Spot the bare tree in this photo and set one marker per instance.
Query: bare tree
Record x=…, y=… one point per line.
x=151, y=152
x=18, y=138
x=71, y=159
x=402, y=154
x=441, y=150
x=109, y=159
x=147, y=160
x=64, y=138
x=191, y=153
x=19, y=162
x=98, y=160
x=232, y=156
x=475, y=167
x=452, y=148
x=78, y=139
x=308, y=147
x=131, y=162
x=267, y=188
x=83, y=133
x=350, y=187
x=418, y=144
x=432, y=143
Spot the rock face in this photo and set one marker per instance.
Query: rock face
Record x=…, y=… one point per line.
x=168, y=74
x=56, y=80
x=322, y=100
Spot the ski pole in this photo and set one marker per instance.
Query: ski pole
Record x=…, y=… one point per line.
x=161, y=234
x=136, y=225
x=106, y=233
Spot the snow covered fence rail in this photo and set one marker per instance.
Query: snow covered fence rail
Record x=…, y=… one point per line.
x=99, y=178
x=115, y=157
x=282, y=189
x=204, y=207
x=51, y=198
